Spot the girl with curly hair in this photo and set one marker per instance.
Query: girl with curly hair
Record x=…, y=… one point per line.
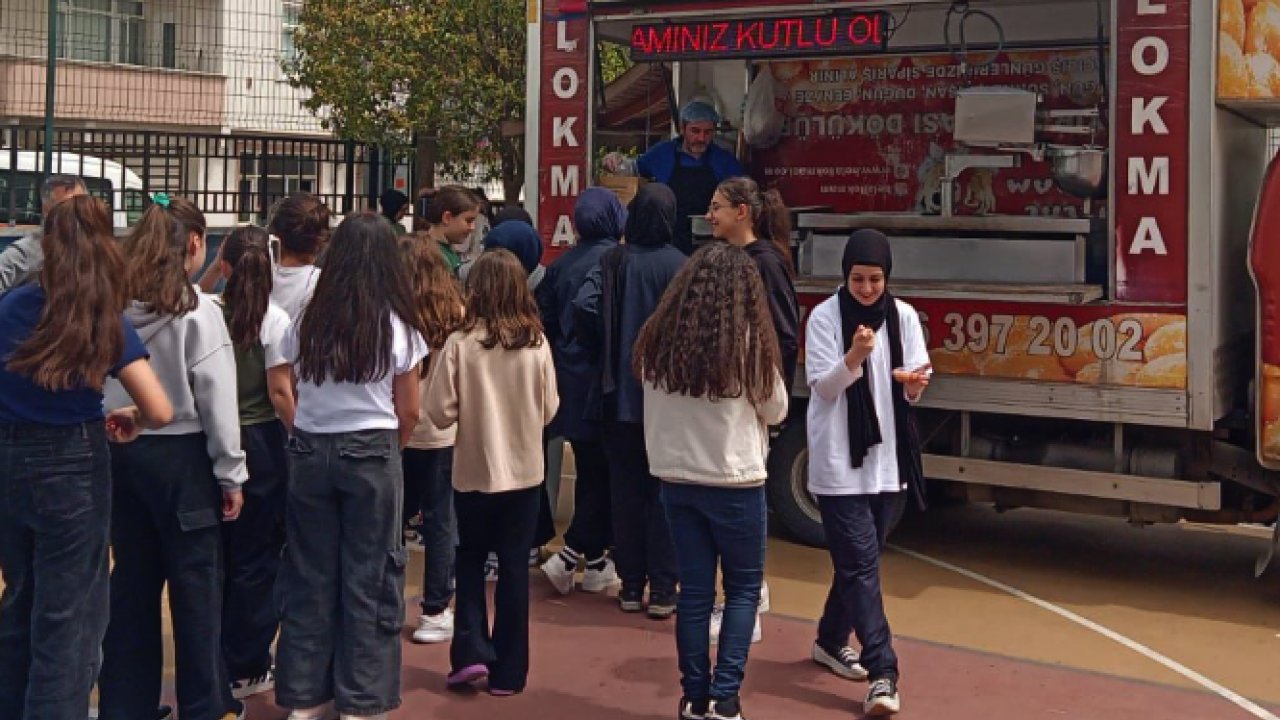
x=709, y=363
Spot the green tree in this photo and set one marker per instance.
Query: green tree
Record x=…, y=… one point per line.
x=448, y=73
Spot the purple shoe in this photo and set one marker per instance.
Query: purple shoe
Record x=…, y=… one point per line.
x=499, y=692
x=467, y=675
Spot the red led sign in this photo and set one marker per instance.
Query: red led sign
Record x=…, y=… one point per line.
x=839, y=34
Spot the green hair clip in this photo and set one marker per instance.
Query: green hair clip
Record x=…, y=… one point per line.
x=161, y=199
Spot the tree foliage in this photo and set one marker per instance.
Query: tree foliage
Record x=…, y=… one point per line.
x=452, y=71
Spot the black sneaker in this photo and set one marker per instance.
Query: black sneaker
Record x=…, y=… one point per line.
x=842, y=661
x=882, y=698
x=693, y=709
x=661, y=605
x=727, y=709
x=631, y=600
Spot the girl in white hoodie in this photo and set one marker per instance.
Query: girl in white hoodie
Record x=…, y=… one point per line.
x=173, y=486
x=709, y=362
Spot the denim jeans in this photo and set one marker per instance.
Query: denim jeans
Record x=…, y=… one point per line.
x=857, y=527
x=503, y=523
x=341, y=586
x=55, y=510
x=431, y=472
x=710, y=525
x=252, y=545
x=166, y=535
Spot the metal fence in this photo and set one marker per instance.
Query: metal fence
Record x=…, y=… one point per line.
x=233, y=179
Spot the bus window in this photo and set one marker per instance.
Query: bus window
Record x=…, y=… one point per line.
x=26, y=197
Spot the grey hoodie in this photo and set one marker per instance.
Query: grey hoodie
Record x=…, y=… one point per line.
x=192, y=355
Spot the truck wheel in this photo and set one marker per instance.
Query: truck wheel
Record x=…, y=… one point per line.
x=792, y=504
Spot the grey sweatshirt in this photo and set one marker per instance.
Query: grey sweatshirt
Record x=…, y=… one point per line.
x=20, y=261
x=192, y=355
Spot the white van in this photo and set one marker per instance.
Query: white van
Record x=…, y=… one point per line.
x=119, y=187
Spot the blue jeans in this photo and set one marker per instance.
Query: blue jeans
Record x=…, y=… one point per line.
x=55, y=512
x=710, y=524
x=430, y=472
x=341, y=584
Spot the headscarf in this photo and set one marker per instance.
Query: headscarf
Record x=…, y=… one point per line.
x=651, y=218
x=871, y=247
x=510, y=213
x=599, y=215
x=521, y=239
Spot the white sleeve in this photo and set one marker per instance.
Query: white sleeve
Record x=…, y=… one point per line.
x=275, y=327
x=914, y=352
x=824, y=365
x=289, y=344
x=409, y=346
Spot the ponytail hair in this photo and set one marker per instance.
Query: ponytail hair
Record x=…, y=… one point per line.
x=155, y=255
x=248, y=291
x=774, y=224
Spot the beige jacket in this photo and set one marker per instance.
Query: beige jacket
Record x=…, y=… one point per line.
x=710, y=442
x=500, y=400
x=426, y=436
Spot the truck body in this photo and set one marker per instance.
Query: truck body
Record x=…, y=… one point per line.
x=1097, y=349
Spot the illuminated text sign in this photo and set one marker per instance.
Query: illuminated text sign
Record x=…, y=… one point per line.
x=840, y=34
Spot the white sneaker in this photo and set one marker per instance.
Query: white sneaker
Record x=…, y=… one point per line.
x=882, y=698
x=320, y=712
x=246, y=687
x=764, y=597
x=434, y=628
x=843, y=663
x=599, y=579
x=717, y=619
x=559, y=570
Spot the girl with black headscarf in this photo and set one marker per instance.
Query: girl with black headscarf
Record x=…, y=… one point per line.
x=866, y=362
x=616, y=299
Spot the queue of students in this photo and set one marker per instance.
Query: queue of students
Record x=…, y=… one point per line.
x=258, y=452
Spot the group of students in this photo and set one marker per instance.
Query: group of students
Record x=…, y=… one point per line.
x=253, y=450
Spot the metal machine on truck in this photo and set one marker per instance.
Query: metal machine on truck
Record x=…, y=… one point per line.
x=1070, y=190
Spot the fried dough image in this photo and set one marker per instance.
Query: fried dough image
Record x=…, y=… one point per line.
x=1109, y=373
x=954, y=363
x=1234, y=76
x=1264, y=75
x=1231, y=20
x=1025, y=367
x=1271, y=438
x=1169, y=371
x=1168, y=340
x=1270, y=392
x=1262, y=33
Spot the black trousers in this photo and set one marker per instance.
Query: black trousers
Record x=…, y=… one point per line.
x=503, y=523
x=252, y=545
x=591, y=531
x=165, y=518
x=642, y=548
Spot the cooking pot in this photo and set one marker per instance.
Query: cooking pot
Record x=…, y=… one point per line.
x=1080, y=171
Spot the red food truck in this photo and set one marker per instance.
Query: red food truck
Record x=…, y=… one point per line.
x=1100, y=347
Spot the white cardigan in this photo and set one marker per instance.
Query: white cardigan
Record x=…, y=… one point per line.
x=830, y=470
x=710, y=442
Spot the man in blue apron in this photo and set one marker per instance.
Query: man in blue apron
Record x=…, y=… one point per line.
x=692, y=165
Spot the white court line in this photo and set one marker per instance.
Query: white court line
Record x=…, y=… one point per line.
x=1226, y=693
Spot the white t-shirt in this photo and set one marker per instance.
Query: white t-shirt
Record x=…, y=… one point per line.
x=830, y=470
x=292, y=288
x=347, y=407
x=275, y=325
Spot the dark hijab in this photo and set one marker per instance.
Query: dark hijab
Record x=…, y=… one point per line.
x=599, y=215
x=512, y=213
x=871, y=247
x=521, y=239
x=651, y=218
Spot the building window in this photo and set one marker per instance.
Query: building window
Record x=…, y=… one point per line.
x=101, y=30
x=290, y=11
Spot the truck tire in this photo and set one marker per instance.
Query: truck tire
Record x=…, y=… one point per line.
x=793, y=507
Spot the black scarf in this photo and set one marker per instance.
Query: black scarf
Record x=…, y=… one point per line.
x=871, y=247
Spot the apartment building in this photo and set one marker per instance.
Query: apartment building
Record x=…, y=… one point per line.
x=189, y=95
